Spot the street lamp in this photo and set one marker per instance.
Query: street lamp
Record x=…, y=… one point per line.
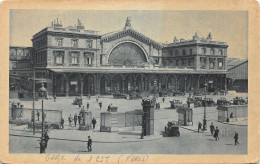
x=204, y=118
x=42, y=94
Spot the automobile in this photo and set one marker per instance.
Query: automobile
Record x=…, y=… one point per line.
x=178, y=93
x=197, y=101
x=239, y=101
x=222, y=102
x=208, y=102
x=12, y=87
x=77, y=101
x=119, y=96
x=21, y=94
x=172, y=128
x=175, y=103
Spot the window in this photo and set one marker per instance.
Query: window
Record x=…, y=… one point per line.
x=204, y=51
x=89, y=43
x=59, y=42
x=220, y=52
x=177, y=62
x=170, y=62
x=59, y=57
x=190, y=51
x=212, y=52
x=89, y=61
x=156, y=61
x=101, y=59
x=191, y=62
x=74, y=43
x=183, y=62
x=212, y=63
x=203, y=63
x=183, y=52
x=74, y=60
x=220, y=63
x=176, y=52
x=89, y=58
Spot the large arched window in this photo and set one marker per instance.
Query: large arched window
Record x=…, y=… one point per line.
x=127, y=53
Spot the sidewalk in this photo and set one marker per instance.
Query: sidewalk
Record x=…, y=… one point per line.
x=82, y=136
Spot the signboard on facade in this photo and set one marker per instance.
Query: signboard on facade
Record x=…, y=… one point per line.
x=74, y=83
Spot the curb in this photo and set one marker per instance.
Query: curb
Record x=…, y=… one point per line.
x=141, y=140
x=192, y=130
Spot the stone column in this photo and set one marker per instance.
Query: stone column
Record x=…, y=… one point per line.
x=216, y=63
x=123, y=85
x=185, y=85
x=67, y=86
x=81, y=87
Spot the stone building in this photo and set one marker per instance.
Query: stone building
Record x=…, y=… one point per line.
x=72, y=61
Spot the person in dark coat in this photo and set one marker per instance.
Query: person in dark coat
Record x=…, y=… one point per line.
x=158, y=105
x=87, y=105
x=212, y=128
x=38, y=115
x=62, y=123
x=46, y=139
x=163, y=99
x=216, y=133
x=89, y=144
x=70, y=120
x=94, y=121
x=79, y=118
x=199, y=126
x=108, y=108
x=236, y=138
x=75, y=119
x=100, y=104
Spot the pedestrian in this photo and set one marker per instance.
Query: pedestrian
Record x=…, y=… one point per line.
x=89, y=96
x=231, y=115
x=46, y=139
x=100, y=104
x=158, y=105
x=216, y=133
x=62, y=123
x=94, y=121
x=199, y=126
x=108, y=108
x=87, y=105
x=44, y=116
x=97, y=99
x=212, y=128
x=236, y=138
x=70, y=120
x=54, y=97
x=75, y=119
x=38, y=115
x=163, y=99
x=79, y=118
x=89, y=144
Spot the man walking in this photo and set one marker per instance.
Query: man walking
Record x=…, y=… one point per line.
x=89, y=144
x=38, y=115
x=62, y=123
x=199, y=126
x=46, y=139
x=79, y=118
x=100, y=104
x=87, y=105
x=94, y=121
x=212, y=128
x=70, y=120
x=236, y=138
x=75, y=119
x=216, y=134
x=163, y=99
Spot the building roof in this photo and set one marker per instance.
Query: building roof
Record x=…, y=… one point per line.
x=233, y=62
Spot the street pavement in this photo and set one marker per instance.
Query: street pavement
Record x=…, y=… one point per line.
x=71, y=140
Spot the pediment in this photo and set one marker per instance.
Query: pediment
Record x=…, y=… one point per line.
x=129, y=32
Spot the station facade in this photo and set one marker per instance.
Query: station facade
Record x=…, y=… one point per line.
x=72, y=61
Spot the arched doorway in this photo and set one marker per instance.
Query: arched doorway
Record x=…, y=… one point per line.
x=129, y=83
x=74, y=85
x=89, y=85
x=117, y=84
x=162, y=83
x=181, y=83
x=212, y=84
x=153, y=83
x=140, y=83
x=171, y=83
x=189, y=83
x=221, y=82
x=202, y=81
x=60, y=85
x=105, y=84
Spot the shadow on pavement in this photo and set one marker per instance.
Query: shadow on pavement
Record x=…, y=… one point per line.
x=211, y=139
x=229, y=144
x=83, y=151
x=129, y=133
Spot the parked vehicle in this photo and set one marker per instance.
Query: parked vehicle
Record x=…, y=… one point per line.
x=222, y=102
x=197, y=101
x=12, y=87
x=172, y=129
x=178, y=93
x=239, y=101
x=21, y=94
x=77, y=101
x=175, y=103
x=208, y=102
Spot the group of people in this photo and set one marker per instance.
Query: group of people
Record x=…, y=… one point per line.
x=215, y=132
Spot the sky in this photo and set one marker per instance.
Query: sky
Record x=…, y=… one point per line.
x=159, y=25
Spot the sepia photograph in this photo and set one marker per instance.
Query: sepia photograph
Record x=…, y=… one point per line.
x=128, y=82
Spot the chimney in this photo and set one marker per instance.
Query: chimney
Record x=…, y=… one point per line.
x=182, y=40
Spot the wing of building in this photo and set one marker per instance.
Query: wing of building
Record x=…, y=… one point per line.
x=72, y=61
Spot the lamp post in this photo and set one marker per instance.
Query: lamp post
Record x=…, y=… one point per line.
x=204, y=118
x=42, y=94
